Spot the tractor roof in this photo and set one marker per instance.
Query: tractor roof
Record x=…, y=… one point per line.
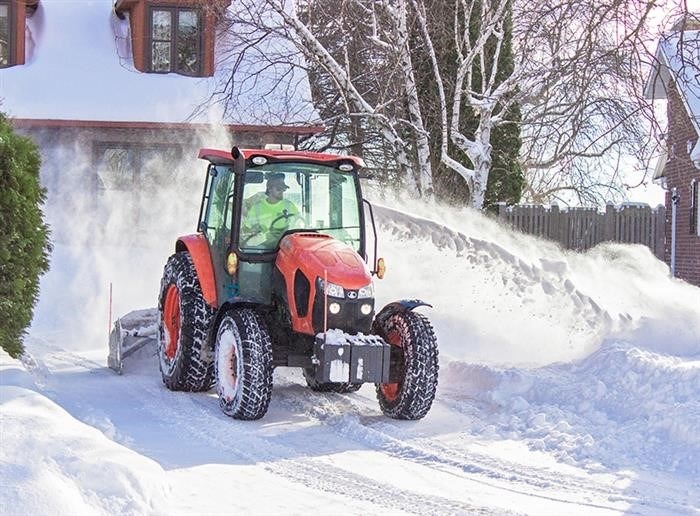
x=223, y=157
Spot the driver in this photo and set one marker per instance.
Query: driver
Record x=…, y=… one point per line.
x=268, y=214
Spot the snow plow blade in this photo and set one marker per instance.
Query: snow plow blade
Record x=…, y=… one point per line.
x=131, y=333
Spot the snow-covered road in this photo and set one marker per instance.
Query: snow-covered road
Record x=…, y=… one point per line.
x=569, y=384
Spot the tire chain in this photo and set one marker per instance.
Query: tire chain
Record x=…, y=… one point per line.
x=194, y=364
x=418, y=389
x=256, y=383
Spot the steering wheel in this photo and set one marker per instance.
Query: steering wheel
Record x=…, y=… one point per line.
x=285, y=216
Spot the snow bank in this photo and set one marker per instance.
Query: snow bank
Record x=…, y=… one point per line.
x=51, y=463
x=623, y=407
x=513, y=299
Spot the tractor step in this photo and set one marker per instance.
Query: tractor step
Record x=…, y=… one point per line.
x=340, y=357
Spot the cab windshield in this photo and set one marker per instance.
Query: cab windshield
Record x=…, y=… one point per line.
x=278, y=197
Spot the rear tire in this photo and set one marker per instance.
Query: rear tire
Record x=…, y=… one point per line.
x=413, y=396
x=185, y=358
x=339, y=387
x=243, y=364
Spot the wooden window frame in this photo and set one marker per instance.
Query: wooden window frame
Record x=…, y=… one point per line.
x=175, y=17
x=12, y=33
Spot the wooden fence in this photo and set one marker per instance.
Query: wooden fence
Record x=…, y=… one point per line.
x=582, y=228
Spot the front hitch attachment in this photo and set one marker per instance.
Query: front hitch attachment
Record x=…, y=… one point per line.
x=345, y=358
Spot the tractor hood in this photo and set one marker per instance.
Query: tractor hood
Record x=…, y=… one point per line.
x=319, y=255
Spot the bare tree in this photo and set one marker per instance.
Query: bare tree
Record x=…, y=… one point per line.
x=577, y=66
x=397, y=115
x=586, y=126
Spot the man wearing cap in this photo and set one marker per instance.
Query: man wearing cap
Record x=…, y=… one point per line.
x=268, y=214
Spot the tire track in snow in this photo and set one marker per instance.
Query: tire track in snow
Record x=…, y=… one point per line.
x=195, y=416
x=393, y=441
x=199, y=418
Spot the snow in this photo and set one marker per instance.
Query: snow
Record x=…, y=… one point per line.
x=79, y=66
x=569, y=384
x=227, y=350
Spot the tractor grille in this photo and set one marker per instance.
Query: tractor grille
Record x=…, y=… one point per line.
x=349, y=319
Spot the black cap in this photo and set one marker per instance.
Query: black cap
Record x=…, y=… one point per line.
x=277, y=177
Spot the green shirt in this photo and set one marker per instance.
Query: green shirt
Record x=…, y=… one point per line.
x=268, y=219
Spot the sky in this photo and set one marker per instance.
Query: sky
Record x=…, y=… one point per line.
x=569, y=384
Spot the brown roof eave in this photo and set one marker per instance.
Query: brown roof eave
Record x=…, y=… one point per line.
x=120, y=6
x=81, y=124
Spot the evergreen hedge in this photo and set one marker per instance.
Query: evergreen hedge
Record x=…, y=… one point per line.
x=24, y=237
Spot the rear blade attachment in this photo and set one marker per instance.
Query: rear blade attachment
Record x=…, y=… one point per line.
x=131, y=333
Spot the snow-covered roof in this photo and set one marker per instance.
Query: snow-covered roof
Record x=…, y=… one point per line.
x=79, y=66
x=678, y=58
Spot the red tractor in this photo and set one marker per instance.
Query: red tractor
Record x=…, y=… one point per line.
x=277, y=275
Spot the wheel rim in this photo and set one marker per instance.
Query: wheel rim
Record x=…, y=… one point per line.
x=391, y=390
x=227, y=363
x=171, y=320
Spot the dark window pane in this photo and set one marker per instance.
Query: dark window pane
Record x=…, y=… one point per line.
x=4, y=34
x=162, y=25
x=116, y=169
x=188, y=21
x=161, y=56
x=154, y=164
x=188, y=42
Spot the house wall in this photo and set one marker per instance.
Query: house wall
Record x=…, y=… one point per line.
x=679, y=172
x=79, y=200
x=18, y=13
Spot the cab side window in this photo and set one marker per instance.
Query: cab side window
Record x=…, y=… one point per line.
x=219, y=211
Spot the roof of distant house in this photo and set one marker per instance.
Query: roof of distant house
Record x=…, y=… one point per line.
x=678, y=59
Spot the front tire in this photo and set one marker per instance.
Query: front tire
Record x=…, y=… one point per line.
x=186, y=361
x=243, y=364
x=413, y=395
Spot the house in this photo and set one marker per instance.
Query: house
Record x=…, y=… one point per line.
x=120, y=95
x=675, y=77
x=119, y=98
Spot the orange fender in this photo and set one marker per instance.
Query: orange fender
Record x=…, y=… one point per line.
x=198, y=247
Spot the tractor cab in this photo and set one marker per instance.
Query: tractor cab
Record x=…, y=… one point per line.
x=252, y=202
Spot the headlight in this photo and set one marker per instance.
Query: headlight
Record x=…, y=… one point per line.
x=331, y=289
x=366, y=292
